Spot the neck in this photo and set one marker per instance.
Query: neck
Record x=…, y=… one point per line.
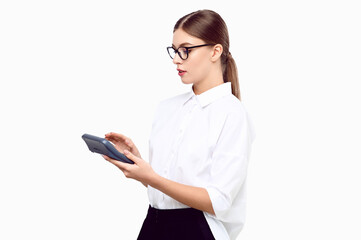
x=213, y=80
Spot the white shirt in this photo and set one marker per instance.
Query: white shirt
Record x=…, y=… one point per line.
x=204, y=141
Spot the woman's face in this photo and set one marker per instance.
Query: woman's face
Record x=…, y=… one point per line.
x=196, y=67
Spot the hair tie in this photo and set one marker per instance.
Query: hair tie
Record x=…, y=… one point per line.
x=228, y=56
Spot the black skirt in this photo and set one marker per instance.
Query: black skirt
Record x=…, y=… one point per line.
x=173, y=224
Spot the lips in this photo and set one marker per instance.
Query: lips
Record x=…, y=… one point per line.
x=181, y=72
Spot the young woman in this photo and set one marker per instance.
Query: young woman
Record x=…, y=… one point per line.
x=199, y=144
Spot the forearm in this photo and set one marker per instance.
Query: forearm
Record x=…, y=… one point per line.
x=141, y=170
x=194, y=197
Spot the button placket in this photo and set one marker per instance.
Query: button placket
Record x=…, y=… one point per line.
x=188, y=113
x=186, y=116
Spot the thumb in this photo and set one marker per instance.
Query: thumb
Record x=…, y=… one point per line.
x=131, y=156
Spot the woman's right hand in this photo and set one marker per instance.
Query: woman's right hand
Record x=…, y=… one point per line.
x=122, y=142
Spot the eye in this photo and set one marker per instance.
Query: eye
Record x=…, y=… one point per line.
x=183, y=50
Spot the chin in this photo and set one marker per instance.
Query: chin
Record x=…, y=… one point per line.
x=186, y=81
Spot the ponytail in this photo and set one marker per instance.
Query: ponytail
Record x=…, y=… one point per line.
x=231, y=75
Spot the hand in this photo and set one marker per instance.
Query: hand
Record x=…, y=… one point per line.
x=122, y=143
x=140, y=170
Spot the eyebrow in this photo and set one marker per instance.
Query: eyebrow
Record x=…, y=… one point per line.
x=183, y=44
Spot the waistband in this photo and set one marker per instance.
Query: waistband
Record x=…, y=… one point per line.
x=178, y=212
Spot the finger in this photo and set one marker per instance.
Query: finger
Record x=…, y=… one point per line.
x=131, y=156
x=129, y=142
x=132, y=146
x=117, y=163
x=110, y=136
x=115, y=136
x=121, y=165
x=109, y=159
x=113, y=139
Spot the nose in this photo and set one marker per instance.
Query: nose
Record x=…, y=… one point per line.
x=177, y=59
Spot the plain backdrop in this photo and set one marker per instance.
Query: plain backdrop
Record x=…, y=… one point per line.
x=74, y=67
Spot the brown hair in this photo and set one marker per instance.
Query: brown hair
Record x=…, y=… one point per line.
x=211, y=28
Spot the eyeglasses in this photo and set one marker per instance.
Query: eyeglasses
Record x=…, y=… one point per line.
x=183, y=52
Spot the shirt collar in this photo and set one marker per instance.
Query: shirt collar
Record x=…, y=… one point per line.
x=214, y=94
x=211, y=95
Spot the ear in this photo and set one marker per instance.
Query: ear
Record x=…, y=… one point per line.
x=217, y=52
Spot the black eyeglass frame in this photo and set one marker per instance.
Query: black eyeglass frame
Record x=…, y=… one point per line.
x=187, y=50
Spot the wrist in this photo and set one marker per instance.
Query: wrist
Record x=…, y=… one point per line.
x=153, y=179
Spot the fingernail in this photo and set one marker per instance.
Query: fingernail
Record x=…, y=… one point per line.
x=126, y=151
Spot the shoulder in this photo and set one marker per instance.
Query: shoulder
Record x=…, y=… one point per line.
x=230, y=106
x=235, y=118
x=237, y=115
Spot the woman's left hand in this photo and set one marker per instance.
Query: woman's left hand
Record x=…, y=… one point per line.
x=140, y=170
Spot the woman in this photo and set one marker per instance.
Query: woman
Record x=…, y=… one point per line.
x=199, y=144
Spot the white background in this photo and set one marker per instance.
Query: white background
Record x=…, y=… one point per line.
x=74, y=67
